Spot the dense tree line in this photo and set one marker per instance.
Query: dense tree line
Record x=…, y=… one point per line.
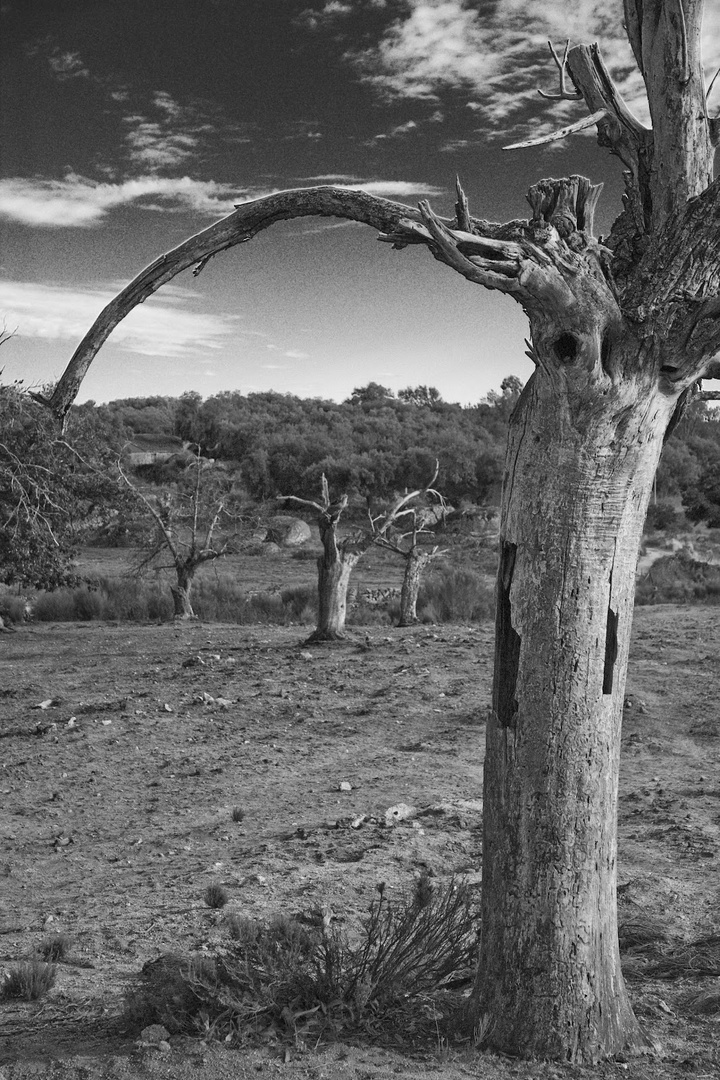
x=377, y=443
x=372, y=445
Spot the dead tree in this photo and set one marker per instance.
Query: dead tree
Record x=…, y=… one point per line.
x=407, y=544
x=334, y=565
x=179, y=534
x=622, y=329
x=340, y=556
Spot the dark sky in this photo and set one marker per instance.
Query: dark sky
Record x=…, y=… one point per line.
x=127, y=125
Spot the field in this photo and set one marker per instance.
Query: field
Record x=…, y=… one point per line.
x=126, y=749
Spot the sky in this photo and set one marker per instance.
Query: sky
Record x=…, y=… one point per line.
x=128, y=125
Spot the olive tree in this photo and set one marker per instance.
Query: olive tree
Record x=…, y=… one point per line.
x=622, y=328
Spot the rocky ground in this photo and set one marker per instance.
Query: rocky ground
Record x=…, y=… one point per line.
x=125, y=750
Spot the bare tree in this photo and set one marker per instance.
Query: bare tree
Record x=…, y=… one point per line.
x=341, y=555
x=622, y=330
x=408, y=544
x=181, y=535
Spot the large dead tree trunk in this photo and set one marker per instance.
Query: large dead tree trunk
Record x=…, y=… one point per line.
x=621, y=332
x=573, y=510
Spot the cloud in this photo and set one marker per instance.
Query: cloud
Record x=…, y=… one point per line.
x=165, y=134
x=163, y=326
x=374, y=187
x=497, y=53
x=64, y=64
x=77, y=201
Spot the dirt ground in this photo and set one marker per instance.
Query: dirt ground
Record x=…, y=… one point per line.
x=118, y=798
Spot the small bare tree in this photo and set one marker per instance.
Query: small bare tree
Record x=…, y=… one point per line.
x=341, y=555
x=180, y=534
x=407, y=543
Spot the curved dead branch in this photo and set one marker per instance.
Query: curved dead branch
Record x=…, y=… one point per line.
x=471, y=247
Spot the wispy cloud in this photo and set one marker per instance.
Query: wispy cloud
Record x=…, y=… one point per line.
x=497, y=53
x=166, y=134
x=165, y=325
x=64, y=64
x=76, y=201
x=389, y=188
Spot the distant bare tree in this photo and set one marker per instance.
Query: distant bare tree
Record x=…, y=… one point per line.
x=341, y=555
x=186, y=531
x=419, y=522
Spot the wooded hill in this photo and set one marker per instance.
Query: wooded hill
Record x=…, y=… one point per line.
x=376, y=443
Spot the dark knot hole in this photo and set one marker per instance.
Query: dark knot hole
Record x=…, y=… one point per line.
x=566, y=348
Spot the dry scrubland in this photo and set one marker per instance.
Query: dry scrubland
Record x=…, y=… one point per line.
x=116, y=822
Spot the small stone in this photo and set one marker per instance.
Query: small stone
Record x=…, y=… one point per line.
x=155, y=1034
x=344, y=785
x=400, y=812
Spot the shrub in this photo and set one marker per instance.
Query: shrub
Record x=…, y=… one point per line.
x=293, y=979
x=215, y=896
x=12, y=606
x=29, y=980
x=455, y=594
x=301, y=602
x=679, y=579
x=662, y=516
x=164, y=995
x=55, y=947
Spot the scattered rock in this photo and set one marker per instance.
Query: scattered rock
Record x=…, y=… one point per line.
x=400, y=812
x=344, y=785
x=284, y=530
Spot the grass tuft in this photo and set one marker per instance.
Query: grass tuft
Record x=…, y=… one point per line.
x=215, y=896
x=55, y=947
x=29, y=980
x=238, y=813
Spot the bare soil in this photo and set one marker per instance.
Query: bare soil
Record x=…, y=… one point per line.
x=117, y=812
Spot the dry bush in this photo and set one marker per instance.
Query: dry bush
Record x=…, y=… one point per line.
x=698, y=957
x=163, y=994
x=55, y=947
x=286, y=979
x=452, y=594
x=215, y=896
x=29, y=980
x=639, y=930
x=704, y=1003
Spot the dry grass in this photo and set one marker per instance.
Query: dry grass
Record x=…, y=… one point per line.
x=29, y=980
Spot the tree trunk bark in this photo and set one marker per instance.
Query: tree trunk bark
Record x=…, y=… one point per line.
x=415, y=563
x=579, y=473
x=333, y=579
x=181, y=594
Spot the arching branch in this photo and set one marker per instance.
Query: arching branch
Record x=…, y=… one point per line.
x=483, y=252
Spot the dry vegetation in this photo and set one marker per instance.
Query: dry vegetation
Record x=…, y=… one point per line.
x=177, y=766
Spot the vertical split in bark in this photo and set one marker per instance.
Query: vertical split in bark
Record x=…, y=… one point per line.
x=507, y=641
x=611, y=648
